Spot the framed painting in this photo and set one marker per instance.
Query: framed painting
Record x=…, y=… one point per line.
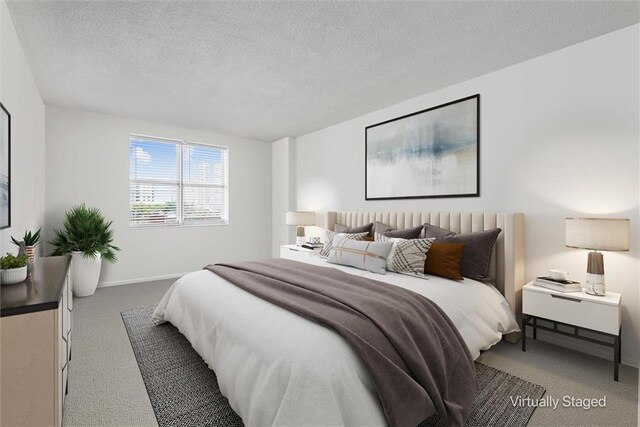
x=5, y=168
x=427, y=154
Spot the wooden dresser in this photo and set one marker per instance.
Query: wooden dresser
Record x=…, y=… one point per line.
x=36, y=320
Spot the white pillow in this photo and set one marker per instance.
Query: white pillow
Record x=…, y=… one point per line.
x=370, y=256
x=407, y=255
x=330, y=236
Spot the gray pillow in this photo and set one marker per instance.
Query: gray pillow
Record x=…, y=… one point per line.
x=388, y=231
x=370, y=256
x=339, y=228
x=437, y=232
x=476, y=257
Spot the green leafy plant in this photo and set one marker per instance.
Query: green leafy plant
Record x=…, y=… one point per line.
x=29, y=239
x=87, y=231
x=10, y=261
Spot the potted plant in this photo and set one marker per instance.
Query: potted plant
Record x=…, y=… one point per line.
x=28, y=244
x=13, y=268
x=88, y=237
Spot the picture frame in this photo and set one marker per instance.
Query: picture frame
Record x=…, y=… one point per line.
x=5, y=168
x=432, y=153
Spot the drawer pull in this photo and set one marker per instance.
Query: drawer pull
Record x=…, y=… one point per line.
x=294, y=250
x=566, y=298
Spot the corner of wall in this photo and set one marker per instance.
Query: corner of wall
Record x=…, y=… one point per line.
x=283, y=190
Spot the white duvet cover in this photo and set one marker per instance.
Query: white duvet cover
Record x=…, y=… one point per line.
x=277, y=368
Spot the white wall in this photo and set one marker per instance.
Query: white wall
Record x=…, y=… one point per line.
x=87, y=160
x=19, y=95
x=283, y=192
x=559, y=137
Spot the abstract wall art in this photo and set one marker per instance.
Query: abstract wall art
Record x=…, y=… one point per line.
x=430, y=153
x=5, y=168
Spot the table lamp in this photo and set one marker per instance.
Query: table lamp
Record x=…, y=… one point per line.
x=597, y=234
x=300, y=219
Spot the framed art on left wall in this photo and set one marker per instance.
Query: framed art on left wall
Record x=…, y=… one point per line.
x=5, y=168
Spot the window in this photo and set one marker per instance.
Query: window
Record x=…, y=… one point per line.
x=176, y=182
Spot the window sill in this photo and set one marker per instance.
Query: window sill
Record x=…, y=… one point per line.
x=208, y=224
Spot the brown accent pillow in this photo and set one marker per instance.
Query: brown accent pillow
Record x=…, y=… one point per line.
x=406, y=233
x=339, y=228
x=443, y=259
x=369, y=239
x=476, y=258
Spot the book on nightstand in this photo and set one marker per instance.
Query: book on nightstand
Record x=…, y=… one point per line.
x=313, y=245
x=558, y=285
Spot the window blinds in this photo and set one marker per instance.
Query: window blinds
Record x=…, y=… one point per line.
x=177, y=182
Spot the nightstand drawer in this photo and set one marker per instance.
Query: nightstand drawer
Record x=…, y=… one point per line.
x=572, y=310
x=295, y=253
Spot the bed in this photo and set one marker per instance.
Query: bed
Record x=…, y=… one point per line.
x=277, y=368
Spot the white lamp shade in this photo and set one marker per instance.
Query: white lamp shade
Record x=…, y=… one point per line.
x=300, y=218
x=603, y=234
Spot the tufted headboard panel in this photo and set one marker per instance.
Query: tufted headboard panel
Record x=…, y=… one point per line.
x=507, y=261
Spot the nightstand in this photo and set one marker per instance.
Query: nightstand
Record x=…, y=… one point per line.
x=574, y=312
x=297, y=253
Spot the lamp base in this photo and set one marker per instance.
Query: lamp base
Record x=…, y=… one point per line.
x=595, y=275
x=595, y=285
x=300, y=236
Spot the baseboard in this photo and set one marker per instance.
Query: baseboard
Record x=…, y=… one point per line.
x=139, y=280
x=581, y=346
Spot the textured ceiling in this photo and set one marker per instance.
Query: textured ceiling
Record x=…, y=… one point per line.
x=273, y=69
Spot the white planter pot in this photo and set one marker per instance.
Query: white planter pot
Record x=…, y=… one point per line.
x=14, y=275
x=86, y=272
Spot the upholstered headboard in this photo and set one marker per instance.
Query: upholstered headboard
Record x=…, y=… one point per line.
x=507, y=261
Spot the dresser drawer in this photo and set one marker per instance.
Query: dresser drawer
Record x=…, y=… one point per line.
x=69, y=292
x=572, y=310
x=62, y=338
x=64, y=382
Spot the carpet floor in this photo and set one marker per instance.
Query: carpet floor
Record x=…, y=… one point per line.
x=106, y=387
x=184, y=391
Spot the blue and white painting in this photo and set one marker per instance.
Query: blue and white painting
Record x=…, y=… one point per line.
x=433, y=153
x=5, y=141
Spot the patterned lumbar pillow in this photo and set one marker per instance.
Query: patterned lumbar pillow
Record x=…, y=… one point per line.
x=330, y=237
x=407, y=256
x=370, y=256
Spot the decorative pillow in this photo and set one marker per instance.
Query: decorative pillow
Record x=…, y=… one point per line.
x=407, y=233
x=330, y=236
x=437, y=232
x=407, y=256
x=339, y=228
x=476, y=256
x=444, y=260
x=370, y=256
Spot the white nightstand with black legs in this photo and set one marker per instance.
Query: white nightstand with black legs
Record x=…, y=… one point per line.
x=572, y=312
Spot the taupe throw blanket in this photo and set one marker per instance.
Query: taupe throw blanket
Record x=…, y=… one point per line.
x=417, y=359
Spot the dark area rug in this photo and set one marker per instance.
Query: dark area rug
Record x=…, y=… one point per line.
x=184, y=391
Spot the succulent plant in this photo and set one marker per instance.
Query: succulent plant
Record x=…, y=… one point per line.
x=29, y=239
x=10, y=261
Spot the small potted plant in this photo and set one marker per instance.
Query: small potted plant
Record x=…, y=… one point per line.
x=13, y=268
x=88, y=237
x=28, y=244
